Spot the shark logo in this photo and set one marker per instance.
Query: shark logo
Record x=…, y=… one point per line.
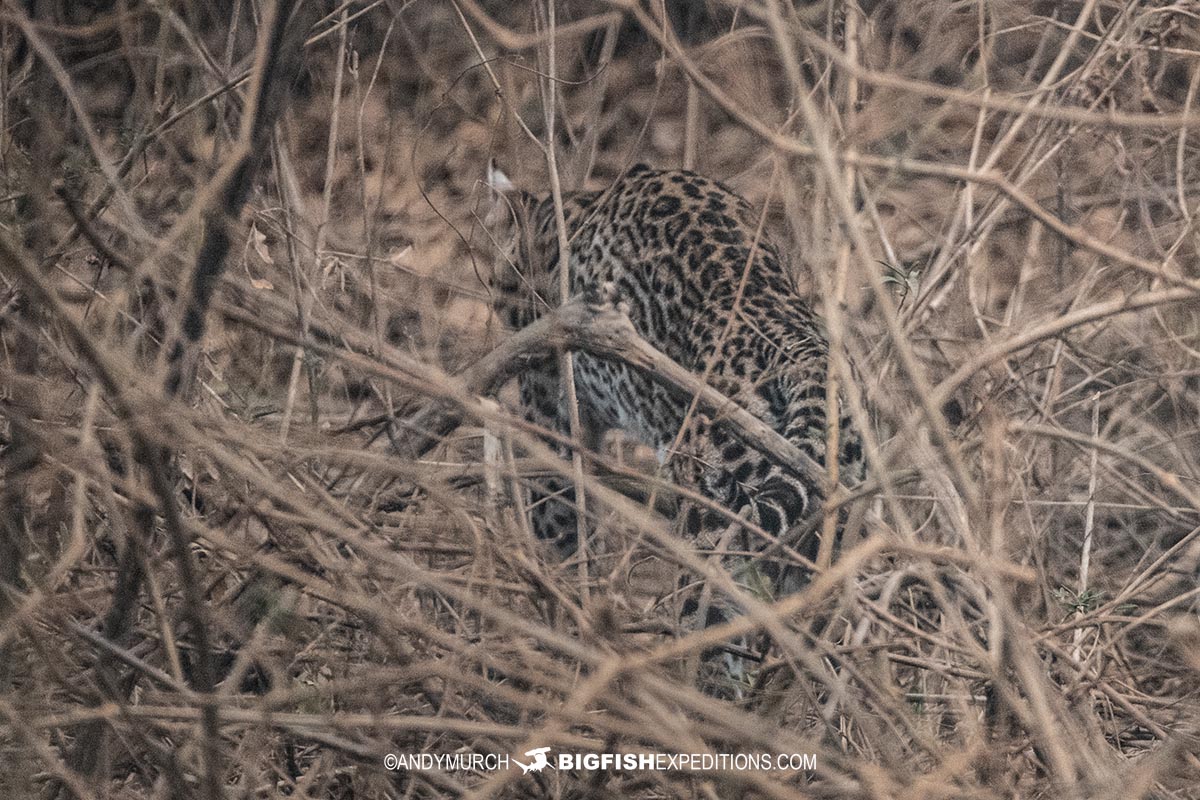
x=539, y=762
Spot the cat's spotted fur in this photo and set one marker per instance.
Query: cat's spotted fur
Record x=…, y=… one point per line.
x=680, y=250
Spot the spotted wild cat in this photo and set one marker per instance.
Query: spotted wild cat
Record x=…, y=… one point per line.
x=680, y=251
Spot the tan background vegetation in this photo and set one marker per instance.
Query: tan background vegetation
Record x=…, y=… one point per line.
x=228, y=567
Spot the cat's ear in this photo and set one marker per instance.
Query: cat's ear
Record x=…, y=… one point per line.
x=496, y=178
x=500, y=194
x=505, y=202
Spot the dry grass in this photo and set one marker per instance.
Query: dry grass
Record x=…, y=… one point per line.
x=252, y=560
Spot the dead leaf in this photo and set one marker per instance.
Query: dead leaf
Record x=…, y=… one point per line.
x=258, y=240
